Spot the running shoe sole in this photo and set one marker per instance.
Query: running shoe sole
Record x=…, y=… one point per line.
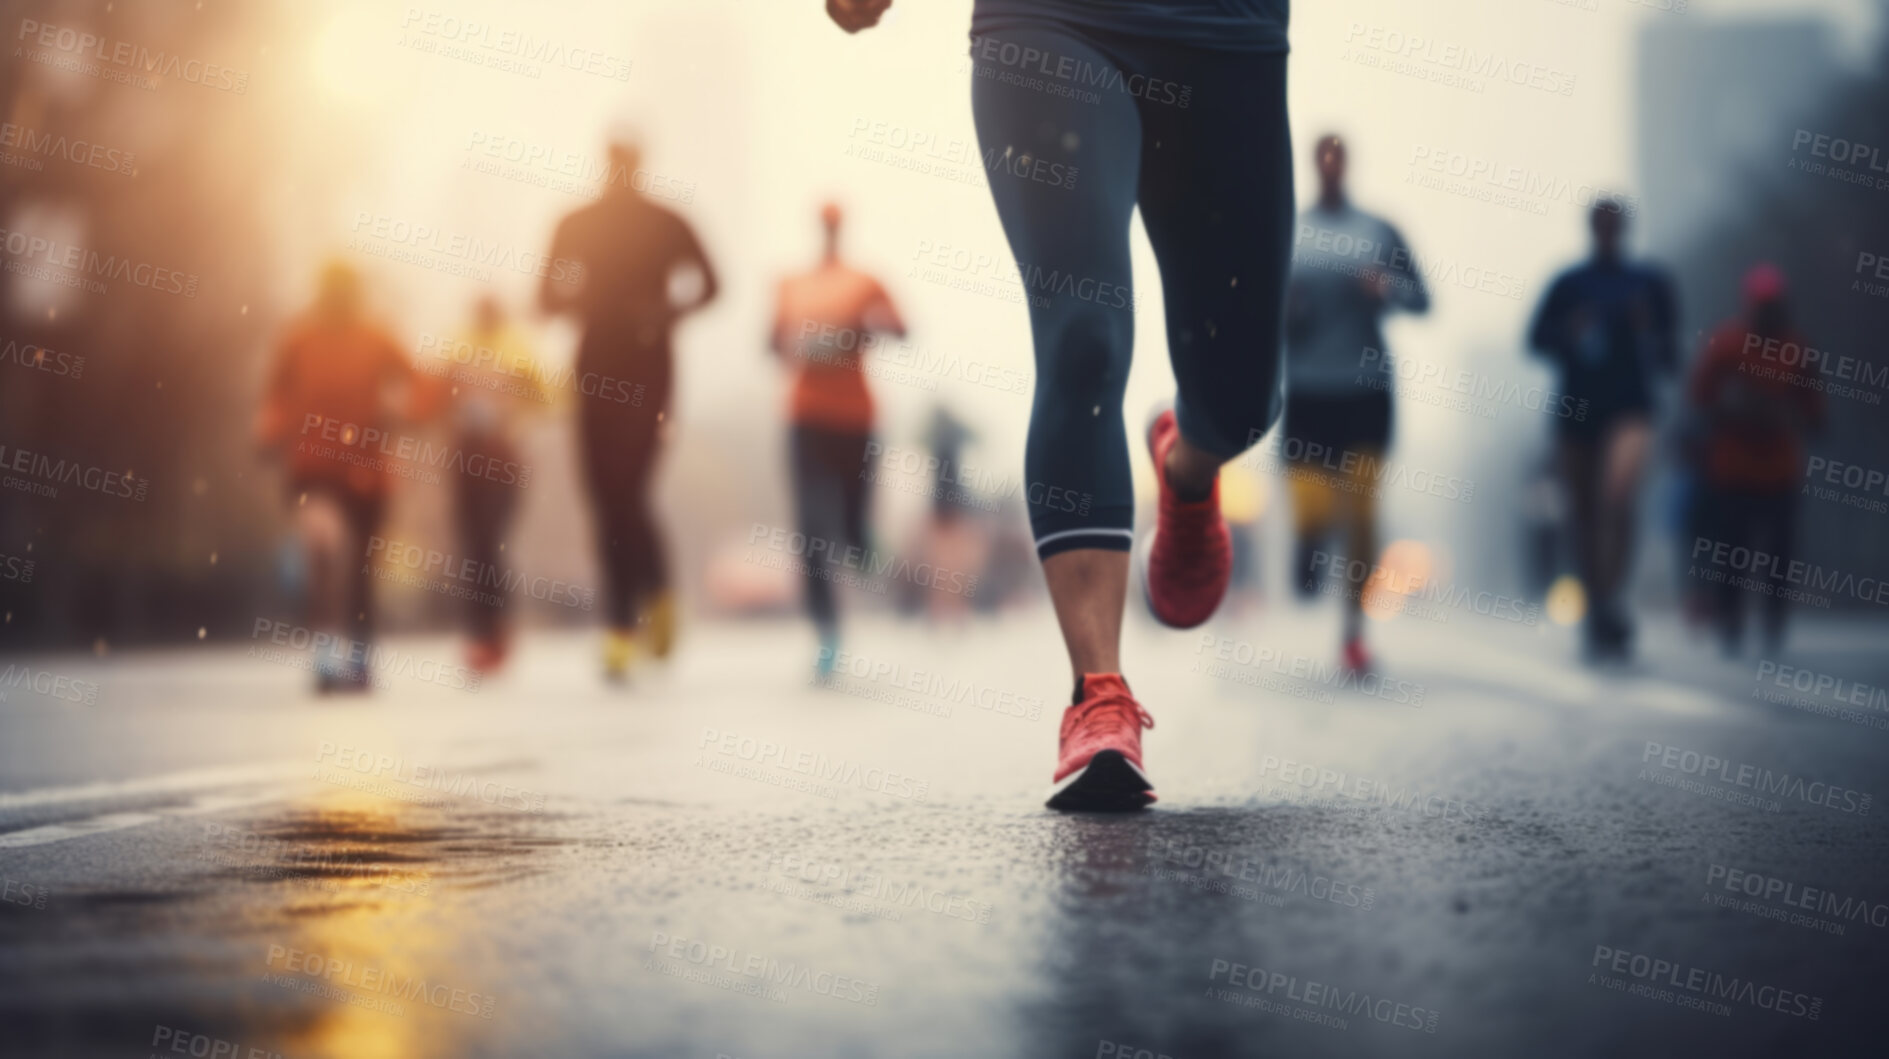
x=1109, y=783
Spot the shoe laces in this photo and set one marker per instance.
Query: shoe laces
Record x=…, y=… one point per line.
x=1110, y=710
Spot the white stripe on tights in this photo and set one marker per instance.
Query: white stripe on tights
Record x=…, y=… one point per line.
x=1130, y=534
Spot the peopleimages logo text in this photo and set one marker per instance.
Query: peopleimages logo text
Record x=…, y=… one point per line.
x=815, y=549
x=766, y=753
x=1850, y=692
x=44, y=474
x=46, y=682
x=400, y=772
x=1316, y=995
x=1762, y=564
x=414, y=450
x=1706, y=983
x=124, y=53
x=1446, y=55
x=374, y=979
x=1076, y=71
x=754, y=965
x=75, y=258
x=1793, y=895
x=1757, y=778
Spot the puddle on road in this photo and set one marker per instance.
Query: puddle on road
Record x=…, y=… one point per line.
x=335, y=927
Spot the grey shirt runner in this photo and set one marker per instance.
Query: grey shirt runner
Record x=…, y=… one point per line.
x=1333, y=314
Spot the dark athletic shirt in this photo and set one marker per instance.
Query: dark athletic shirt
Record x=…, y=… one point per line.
x=628, y=247
x=1609, y=327
x=1224, y=25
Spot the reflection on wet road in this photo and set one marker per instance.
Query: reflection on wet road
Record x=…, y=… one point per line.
x=550, y=869
x=333, y=926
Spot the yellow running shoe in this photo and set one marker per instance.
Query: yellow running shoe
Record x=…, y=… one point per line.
x=619, y=650
x=661, y=617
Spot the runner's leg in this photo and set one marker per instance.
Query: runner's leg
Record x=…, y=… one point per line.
x=817, y=503
x=1360, y=502
x=1313, y=500
x=1070, y=241
x=1628, y=445
x=322, y=526
x=1731, y=523
x=1580, y=474
x=647, y=555
x=364, y=515
x=1777, y=517
x=1216, y=198
x=606, y=478
x=484, y=508
x=855, y=491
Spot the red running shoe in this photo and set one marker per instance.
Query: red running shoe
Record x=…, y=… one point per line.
x=1100, y=766
x=1357, y=659
x=485, y=656
x=1189, y=559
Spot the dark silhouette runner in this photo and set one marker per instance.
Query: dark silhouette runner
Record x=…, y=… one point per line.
x=1607, y=326
x=613, y=265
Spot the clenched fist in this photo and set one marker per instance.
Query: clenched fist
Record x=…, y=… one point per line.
x=855, y=15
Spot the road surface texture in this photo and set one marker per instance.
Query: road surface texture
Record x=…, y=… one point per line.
x=1491, y=851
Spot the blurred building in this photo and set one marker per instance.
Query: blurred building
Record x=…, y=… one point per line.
x=1713, y=100
x=1728, y=113
x=145, y=171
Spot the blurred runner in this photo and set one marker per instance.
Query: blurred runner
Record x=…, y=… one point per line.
x=956, y=536
x=496, y=385
x=615, y=265
x=1349, y=270
x=1544, y=507
x=945, y=437
x=824, y=320
x=1182, y=113
x=326, y=410
x=1756, y=414
x=1607, y=325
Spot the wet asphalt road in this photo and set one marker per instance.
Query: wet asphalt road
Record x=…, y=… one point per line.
x=1482, y=857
